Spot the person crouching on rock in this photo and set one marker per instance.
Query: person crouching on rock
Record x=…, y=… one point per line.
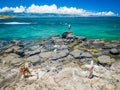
x=23, y=72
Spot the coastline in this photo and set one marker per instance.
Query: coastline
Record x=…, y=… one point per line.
x=5, y=17
x=58, y=60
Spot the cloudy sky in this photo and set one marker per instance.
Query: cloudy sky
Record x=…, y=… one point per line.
x=79, y=7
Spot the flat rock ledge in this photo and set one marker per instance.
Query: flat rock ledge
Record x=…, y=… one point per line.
x=66, y=62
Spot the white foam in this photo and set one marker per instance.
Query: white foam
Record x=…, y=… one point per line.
x=16, y=23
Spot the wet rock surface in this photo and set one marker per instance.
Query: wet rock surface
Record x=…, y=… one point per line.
x=61, y=63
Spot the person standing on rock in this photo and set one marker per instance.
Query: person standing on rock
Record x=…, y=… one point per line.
x=69, y=27
x=91, y=69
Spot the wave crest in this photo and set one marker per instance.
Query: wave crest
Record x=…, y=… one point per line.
x=15, y=23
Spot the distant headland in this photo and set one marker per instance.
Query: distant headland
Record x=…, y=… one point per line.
x=4, y=17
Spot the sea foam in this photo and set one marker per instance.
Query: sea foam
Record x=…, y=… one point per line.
x=16, y=23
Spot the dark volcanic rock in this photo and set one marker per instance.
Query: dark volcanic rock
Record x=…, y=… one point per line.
x=64, y=35
x=67, y=35
x=82, y=38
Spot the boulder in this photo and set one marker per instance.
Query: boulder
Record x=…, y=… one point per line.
x=54, y=55
x=31, y=53
x=67, y=35
x=76, y=54
x=114, y=51
x=34, y=59
x=64, y=35
x=86, y=55
x=99, y=42
x=70, y=35
x=49, y=44
x=15, y=49
x=116, y=66
x=81, y=38
x=15, y=42
x=60, y=54
x=104, y=59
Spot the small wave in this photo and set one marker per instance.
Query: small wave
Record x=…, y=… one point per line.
x=15, y=23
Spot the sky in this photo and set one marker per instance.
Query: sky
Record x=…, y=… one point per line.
x=80, y=7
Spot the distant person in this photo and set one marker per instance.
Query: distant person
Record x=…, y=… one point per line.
x=69, y=27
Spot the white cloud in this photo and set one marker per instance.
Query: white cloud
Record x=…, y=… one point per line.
x=54, y=9
x=16, y=9
x=19, y=9
x=42, y=9
x=105, y=13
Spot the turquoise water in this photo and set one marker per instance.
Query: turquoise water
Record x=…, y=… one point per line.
x=40, y=27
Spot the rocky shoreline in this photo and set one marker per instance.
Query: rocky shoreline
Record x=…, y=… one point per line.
x=61, y=63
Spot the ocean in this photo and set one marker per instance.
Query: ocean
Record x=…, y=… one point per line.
x=107, y=28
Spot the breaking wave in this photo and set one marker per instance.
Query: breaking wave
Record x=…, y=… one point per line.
x=15, y=23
